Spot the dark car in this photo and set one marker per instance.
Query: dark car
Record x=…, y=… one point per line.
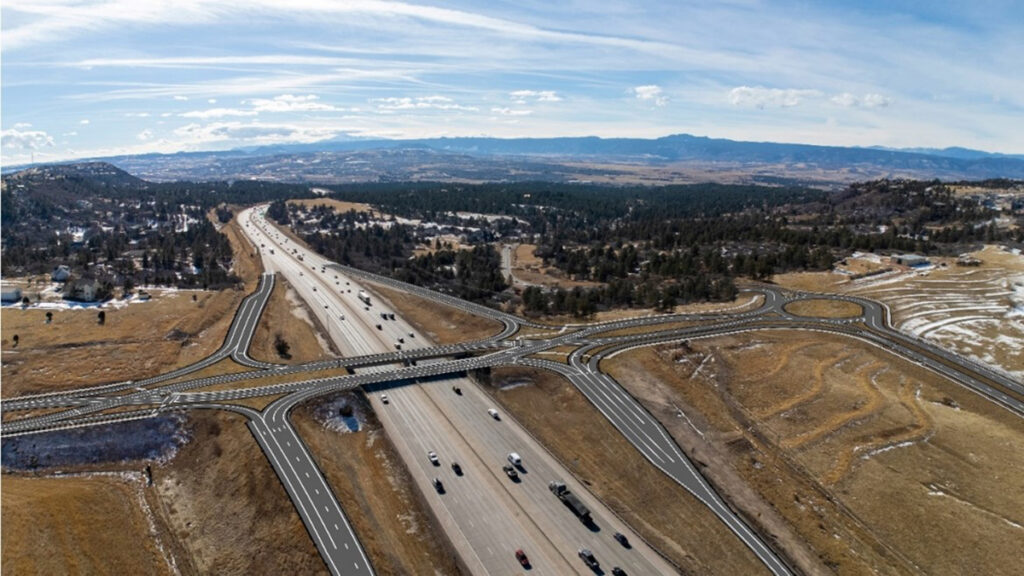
x=521, y=556
x=457, y=468
x=621, y=539
x=457, y=390
x=438, y=486
x=511, y=472
x=588, y=558
x=616, y=571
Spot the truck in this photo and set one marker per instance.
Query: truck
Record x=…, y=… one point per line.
x=364, y=297
x=571, y=501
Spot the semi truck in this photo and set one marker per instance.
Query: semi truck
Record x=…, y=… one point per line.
x=364, y=297
x=569, y=499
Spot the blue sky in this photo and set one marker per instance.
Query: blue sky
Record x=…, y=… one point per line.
x=84, y=78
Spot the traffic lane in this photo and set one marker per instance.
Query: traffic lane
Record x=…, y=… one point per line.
x=476, y=510
x=496, y=439
x=314, y=501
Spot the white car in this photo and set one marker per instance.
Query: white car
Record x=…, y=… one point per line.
x=433, y=458
x=384, y=398
x=493, y=413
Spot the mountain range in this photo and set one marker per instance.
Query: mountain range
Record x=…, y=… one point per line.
x=676, y=158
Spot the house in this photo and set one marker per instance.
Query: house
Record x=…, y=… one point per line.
x=911, y=260
x=81, y=290
x=10, y=293
x=61, y=273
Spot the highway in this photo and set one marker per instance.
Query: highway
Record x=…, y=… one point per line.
x=428, y=417
x=423, y=414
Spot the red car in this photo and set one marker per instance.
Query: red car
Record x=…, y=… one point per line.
x=521, y=556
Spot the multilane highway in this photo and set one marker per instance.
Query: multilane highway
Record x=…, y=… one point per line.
x=429, y=416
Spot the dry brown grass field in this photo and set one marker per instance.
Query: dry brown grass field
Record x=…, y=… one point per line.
x=662, y=512
x=86, y=524
x=288, y=316
x=226, y=507
x=823, y=308
x=137, y=341
x=338, y=205
x=442, y=324
x=879, y=465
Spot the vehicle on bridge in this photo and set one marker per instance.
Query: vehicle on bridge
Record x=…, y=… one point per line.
x=364, y=297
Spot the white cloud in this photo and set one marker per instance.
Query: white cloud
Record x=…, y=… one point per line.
x=25, y=139
x=520, y=96
x=212, y=100
x=419, y=103
x=290, y=103
x=84, y=122
x=253, y=132
x=511, y=111
x=136, y=114
x=180, y=97
x=848, y=100
x=22, y=126
x=166, y=114
x=217, y=113
x=875, y=101
x=72, y=133
x=651, y=93
x=145, y=135
x=760, y=97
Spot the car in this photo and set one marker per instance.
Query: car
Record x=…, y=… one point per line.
x=433, y=458
x=384, y=398
x=379, y=327
x=398, y=346
x=401, y=340
x=411, y=335
x=521, y=556
x=457, y=390
x=616, y=571
x=391, y=315
x=314, y=288
x=621, y=539
x=341, y=317
x=438, y=486
x=457, y=468
x=588, y=558
x=510, y=472
x=515, y=459
x=493, y=413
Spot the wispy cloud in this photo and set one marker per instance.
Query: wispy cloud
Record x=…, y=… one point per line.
x=419, y=103
x=760, y=97
x=651, y=93
x=848, y=100
x=145, y=135
x=521, y=96
x=290, y=103
x=511, y=111
x=217, y=113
